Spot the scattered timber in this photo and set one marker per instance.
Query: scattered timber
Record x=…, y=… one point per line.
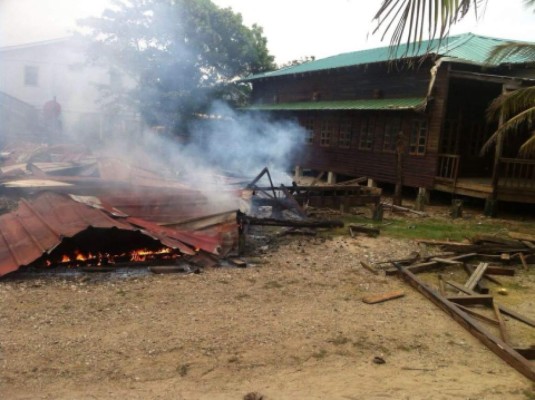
x=476, y=276
x=370, y=231
x=510, y=355
x=379, y=298
x=292, y=223
x=367, y=266
x=404, y=209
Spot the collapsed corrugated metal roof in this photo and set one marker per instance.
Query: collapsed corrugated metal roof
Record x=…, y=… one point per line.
x=37, y=227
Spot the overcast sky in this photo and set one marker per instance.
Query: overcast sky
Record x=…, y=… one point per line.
x=294, y=28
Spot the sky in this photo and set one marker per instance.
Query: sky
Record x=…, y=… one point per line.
x=294, y=28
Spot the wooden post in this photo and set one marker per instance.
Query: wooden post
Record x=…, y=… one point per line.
x=400, y=147
x=331, y=178
x=456, y=209
x=492, y=201
x=421, y=199
x=298, y=173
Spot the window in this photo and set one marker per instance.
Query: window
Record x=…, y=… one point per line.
x=390, y=137
x=327, y=132
x=418, y=138
x=367, y=127
x=345, y=133
x=308, y=124
x=31, y=75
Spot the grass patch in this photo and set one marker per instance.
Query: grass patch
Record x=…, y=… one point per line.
x=425, y=228
x=242, y=296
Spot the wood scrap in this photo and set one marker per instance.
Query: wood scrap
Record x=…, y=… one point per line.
x=369, y=267
x=522, y=236
x=362, y=179
x=379, y=298
x=370, y=231
x=523, y=260
x=477, y=315
x=501, y=323
x=476, y=276
x=404, y=209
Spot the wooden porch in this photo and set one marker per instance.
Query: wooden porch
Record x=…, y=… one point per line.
x=516, y=180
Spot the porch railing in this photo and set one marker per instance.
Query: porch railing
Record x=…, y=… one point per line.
x=448, y=166
x=517, y=173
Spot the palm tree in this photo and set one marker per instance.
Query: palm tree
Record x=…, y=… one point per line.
x=412, y=20
x=515, y=109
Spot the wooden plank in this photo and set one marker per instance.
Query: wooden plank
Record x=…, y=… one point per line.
x=476, y=276
x=501, y=323
x=472, y=299
x=441, y=285
x=369, y=267
x=499, y=271
x=517, y=316
x=433, y=264
x=498, y=346
x=446, y=261
x=477, y=315
x=523, y=260
x=503, y=309
x=461, y=288
x=379, y=298
x=522, y=236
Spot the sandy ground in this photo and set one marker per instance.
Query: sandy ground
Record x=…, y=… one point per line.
x=291, y=326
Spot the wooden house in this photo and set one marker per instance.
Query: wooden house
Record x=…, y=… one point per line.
x=355, y=105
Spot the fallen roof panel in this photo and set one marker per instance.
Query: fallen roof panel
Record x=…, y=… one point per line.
x=39, y=226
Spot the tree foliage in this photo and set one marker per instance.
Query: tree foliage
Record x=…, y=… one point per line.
x=413, y=21
x=180, y=54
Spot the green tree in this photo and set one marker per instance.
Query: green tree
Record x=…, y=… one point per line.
x=414, y=20
x=180, y=54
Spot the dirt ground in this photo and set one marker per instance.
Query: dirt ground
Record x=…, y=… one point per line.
x=290, y=326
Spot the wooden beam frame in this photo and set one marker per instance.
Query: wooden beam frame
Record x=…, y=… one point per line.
x=498, y=346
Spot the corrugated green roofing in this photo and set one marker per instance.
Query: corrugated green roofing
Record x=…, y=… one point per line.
x=466, y=47
x=362, y=104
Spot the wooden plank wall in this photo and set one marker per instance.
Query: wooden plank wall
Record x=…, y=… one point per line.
x=420, y=170
x=361, y=82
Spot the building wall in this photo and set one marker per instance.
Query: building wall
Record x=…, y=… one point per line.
x=362, y=82
x=35, y=73
x=372, y=155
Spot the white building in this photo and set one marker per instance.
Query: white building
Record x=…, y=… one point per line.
x=32, y=74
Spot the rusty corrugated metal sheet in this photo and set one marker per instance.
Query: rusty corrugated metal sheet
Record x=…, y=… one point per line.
x=39, y=226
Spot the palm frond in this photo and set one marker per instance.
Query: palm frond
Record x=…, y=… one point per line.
x=517, y=50
x=526, y=117
x=510, y=104
x=408, y=20
x=528, y=147
x=530, y=4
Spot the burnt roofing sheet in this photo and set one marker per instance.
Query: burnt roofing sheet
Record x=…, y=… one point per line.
x=39, y=226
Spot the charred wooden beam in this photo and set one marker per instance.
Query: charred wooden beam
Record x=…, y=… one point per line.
x=293, y=223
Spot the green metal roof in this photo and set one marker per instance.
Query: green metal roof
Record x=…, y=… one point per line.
x=466, y=47
x=362, y=104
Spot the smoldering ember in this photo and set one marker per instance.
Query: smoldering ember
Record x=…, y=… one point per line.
x=182, y=218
